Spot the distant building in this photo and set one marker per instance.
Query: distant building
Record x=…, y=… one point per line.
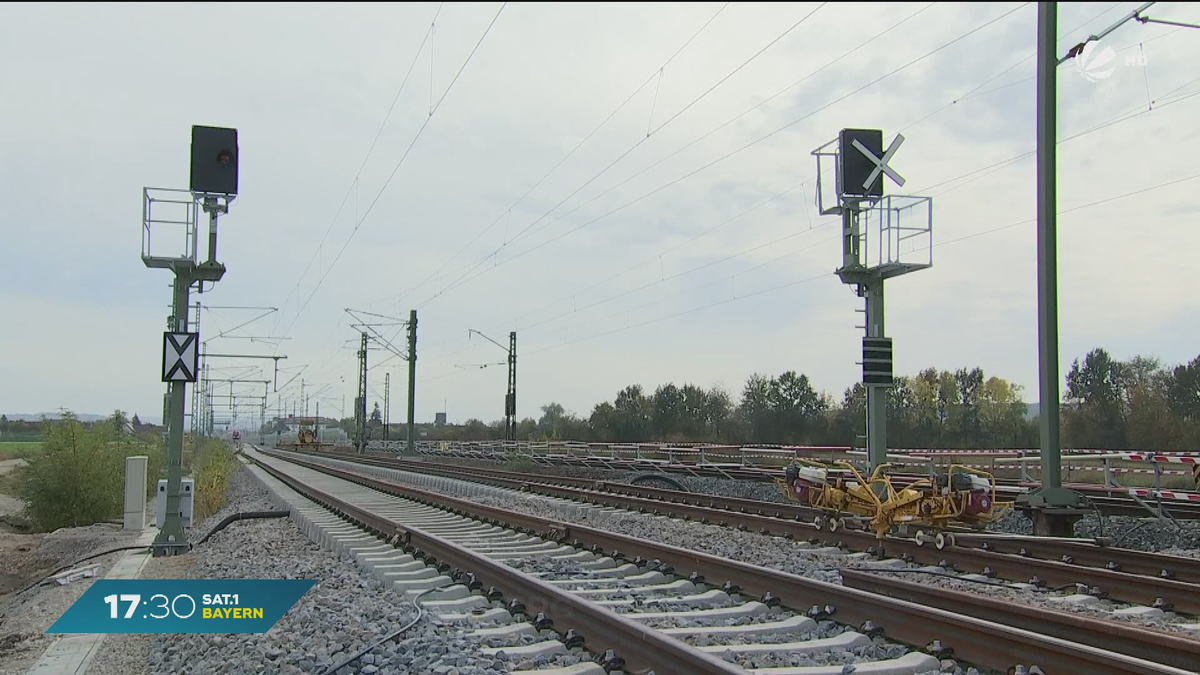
x=439, y=419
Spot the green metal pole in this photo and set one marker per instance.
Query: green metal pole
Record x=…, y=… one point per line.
x=171, y=539
x=876, y=394
x=1047, y=241
x=411, y=447
x=512, y=387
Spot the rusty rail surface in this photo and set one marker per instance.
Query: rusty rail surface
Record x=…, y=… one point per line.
x=1048, y=569
x=973, y=640
x=1169, y=648
x=642, y=648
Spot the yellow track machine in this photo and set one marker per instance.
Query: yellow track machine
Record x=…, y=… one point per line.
x=961, y=496
x=306, y=437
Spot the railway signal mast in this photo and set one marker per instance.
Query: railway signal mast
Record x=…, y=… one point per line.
x=213, y=186
x=510, y=397
x=1052, y=507
x=882, y=237
x=370, y=332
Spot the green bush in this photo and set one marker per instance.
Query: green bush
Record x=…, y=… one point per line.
x=212, y=465
x=78, y=478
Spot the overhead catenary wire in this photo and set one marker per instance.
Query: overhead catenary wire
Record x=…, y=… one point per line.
x=979, y=173
x=751, y=109
x=723, y=125
x=826, y=274
x=746, y=112
x=625, y=154
x=1008, y=71
x=585, y=139
x=730, y=154
x=357, y=174
x=811, y=74
x=362, y=219
x=695, y=100
x=659, y=256
x=994, y=167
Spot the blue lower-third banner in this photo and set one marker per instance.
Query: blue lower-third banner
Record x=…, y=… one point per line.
x=182, y=606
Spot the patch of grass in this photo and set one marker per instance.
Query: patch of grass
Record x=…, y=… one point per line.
x=10, y=483
x=520, y=465
x=19, y=449
x=212, y=464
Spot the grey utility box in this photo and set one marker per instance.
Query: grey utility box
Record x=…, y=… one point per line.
x=187, y=491
x=135, y=493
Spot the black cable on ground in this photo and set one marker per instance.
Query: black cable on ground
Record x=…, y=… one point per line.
x=362, y=652
x=220, y=526
x=64, y=568
x=246, y=515
x=646, y=477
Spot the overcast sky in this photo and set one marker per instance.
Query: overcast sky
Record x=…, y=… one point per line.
x=97, y=101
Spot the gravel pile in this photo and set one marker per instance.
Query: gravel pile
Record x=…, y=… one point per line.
x=723, y=487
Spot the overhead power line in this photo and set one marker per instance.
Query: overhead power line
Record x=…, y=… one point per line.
x=827, y=223
x=357, y=174
x=919, y=121
x=826, y=274
x=572, y=151
x=969, y=94
x=392, y=175
x=710, y=230
x=626, y=153
x=463, y=281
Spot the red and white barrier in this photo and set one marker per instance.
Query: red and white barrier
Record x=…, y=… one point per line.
x=1166, y=494
x=1157, y=457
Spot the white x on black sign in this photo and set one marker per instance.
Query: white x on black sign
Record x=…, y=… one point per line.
x=181, y=359
x=881, y=163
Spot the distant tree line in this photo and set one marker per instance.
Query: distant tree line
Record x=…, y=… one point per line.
x=1109, y=404
x=31, y=430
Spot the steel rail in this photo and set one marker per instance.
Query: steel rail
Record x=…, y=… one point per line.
x=1083, y=553
x=1171, y=649
x=643, y=649
x=1119, y=585
x=1109, y=505
x=977, y=641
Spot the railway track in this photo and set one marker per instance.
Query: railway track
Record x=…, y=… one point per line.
x=1143, y=579
x=608, y=578
x=1109, y=501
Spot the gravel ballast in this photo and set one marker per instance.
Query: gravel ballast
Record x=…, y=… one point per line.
x=875, y=650
x=800, y=558
x=1143, y=534
x=345, y=611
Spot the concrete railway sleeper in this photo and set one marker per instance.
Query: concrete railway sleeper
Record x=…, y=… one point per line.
x=587, y=599
x=1157, y=590
x=983, y=643
x=1085, y=553
x=1110, y=503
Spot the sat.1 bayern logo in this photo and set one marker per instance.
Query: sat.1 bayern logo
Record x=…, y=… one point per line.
x=182, y=606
